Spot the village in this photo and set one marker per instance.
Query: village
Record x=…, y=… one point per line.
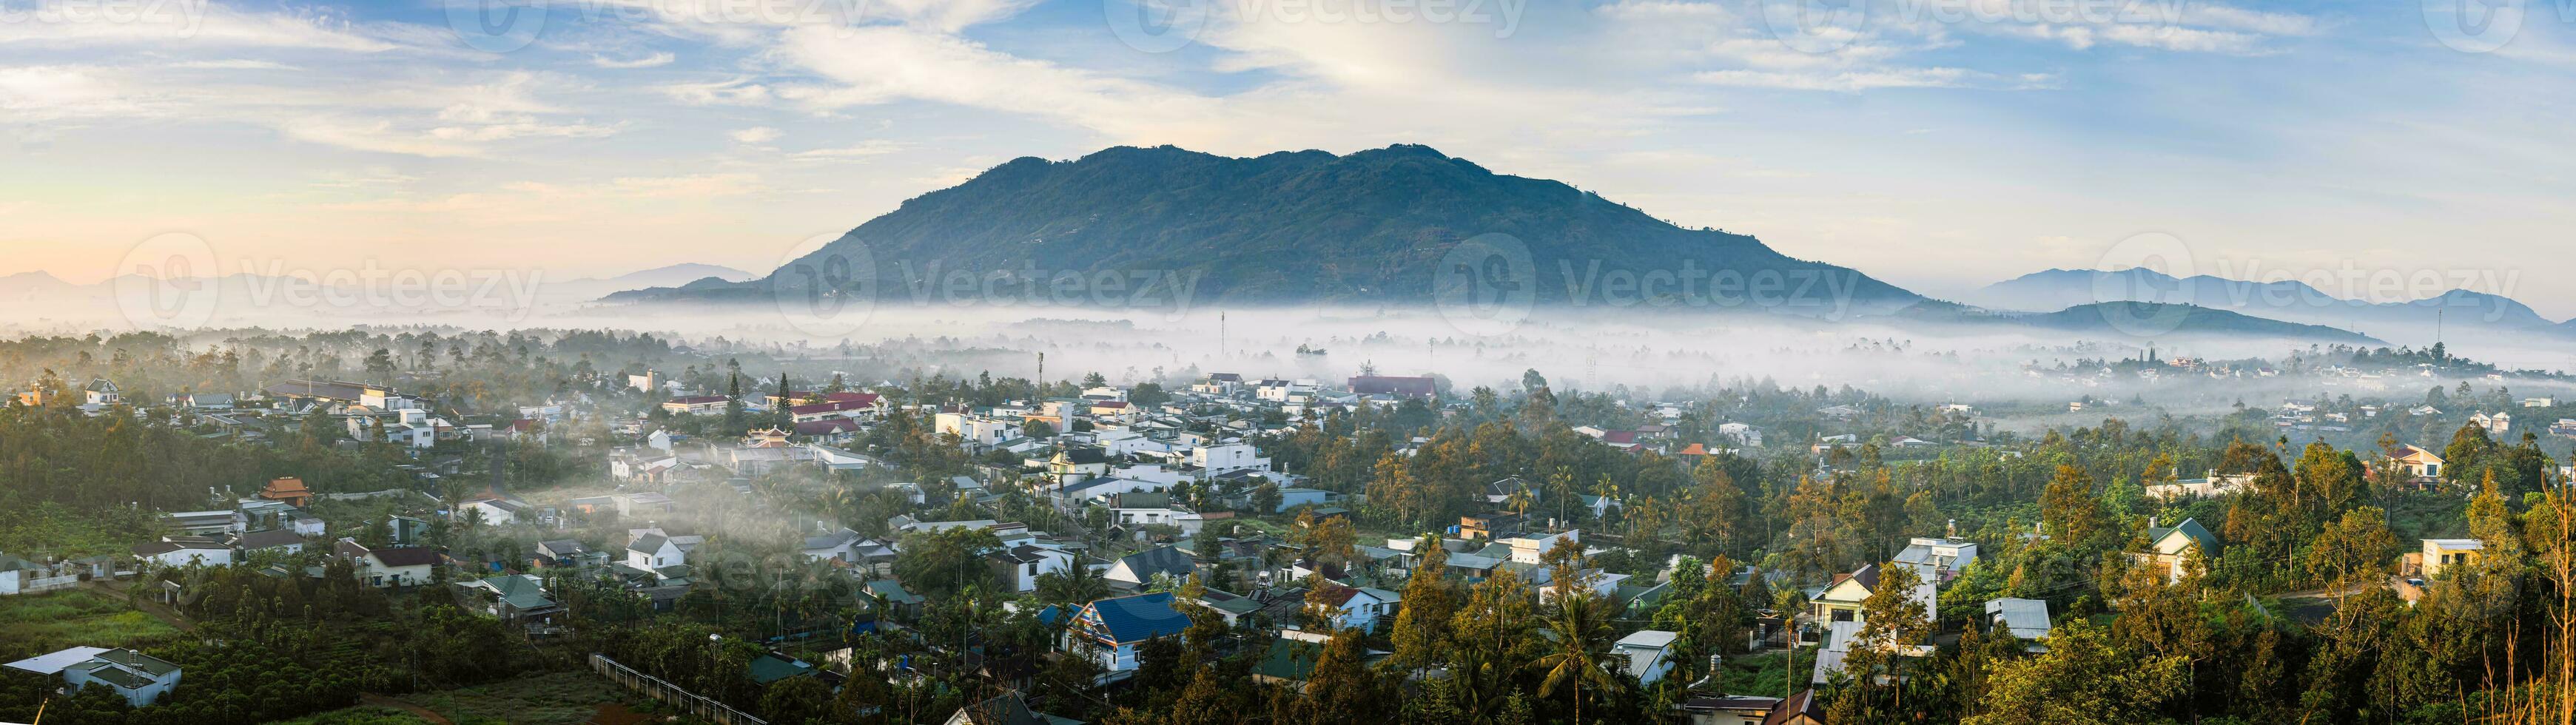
x=1123, y=519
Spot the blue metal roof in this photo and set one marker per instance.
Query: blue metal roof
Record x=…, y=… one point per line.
x=1140, y=617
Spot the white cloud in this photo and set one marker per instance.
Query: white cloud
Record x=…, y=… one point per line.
x=655, y=60
x=755, y=135
x=871, y=147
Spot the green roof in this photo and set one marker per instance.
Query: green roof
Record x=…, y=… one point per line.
x=892, y=591
x=1289, y=659
x=766, y=669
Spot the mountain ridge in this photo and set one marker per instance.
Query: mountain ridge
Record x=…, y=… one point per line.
x=1369, y=227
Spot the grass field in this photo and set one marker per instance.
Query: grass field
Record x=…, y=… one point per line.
x=554, y=697
x=39, y=623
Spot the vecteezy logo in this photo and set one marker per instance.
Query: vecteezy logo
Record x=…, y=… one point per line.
x=1156, y=26
x=1815, y=26
x=168, y=281
x=2143, y=284
x=1486, y=285
x=827, y=286
x=2474, y=26
x=496, y=26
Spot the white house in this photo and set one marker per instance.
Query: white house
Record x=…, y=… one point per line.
x=1937, y=560
x=652, y=549
x=389, y=568
x=138, y=678
x=181, y=551
x=1361, y=608
x=1528, y=548
x=1649, y=654
x=1224, y=458
x=495, y=510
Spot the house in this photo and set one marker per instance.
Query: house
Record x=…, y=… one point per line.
x=1004, y=710
x=283, y=541
x=1107, y=631
x=697, y=404
x=1223, y=458
x=1532, y=548
x=2215, y=484
x=102, y=393
x=1799, y=709
x=901, y=603
x=1073, y=464
x=1019, y=567
x=1489, y=526
x=654, y=550
x=2420, y=466
x=1501, y=491
x=2026, y=619
x=1743, y=435
x=2497, y=422
x=206, y=523
x=514, y=598
x=390, y=567
x=1137, y=570
x=567, y=553
x=494, y=510
x=138, y=678
x=1729, y=710
x=2442, y=554
x=20, y=576
x=1648, y=653
x=185, y=551
x=840, y=546
x=1938, y=560
x=1840, y=600
x=860, y=406
x=289, y=490
x=2170, y=548
x=1360, y=608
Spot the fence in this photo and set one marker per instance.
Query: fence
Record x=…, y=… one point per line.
x=692, y=704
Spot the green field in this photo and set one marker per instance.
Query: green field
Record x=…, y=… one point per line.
x=554, y=697
x=39, y=623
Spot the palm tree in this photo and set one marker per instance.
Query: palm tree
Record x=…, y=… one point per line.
x=1519, y=501
x=1073, y=587
x=1581, y=627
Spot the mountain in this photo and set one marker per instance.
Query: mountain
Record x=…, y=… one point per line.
x=2149, y=320
x=678, y=274
x=2288, y=300
x=1377, y=227
x=32, y=286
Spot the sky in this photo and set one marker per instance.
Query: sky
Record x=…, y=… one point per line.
x=2377, y=150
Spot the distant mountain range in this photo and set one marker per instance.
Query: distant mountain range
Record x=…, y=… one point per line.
x=1372, y=228
x=2290, y=301
x=41, y=293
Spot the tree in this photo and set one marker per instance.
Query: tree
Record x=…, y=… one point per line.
x=1073, y=586
x=947, y=561
x=1420, y=624
x=797, y=700
x=2352, y=550
x=2083, y=679
x=1582, y=631
x=1893, y=623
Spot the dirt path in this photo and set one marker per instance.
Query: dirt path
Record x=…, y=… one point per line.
x=371, y=698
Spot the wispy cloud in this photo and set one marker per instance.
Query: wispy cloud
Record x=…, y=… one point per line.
x=654, y=60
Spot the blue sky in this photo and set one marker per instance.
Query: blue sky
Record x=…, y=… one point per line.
x=1939, y=144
